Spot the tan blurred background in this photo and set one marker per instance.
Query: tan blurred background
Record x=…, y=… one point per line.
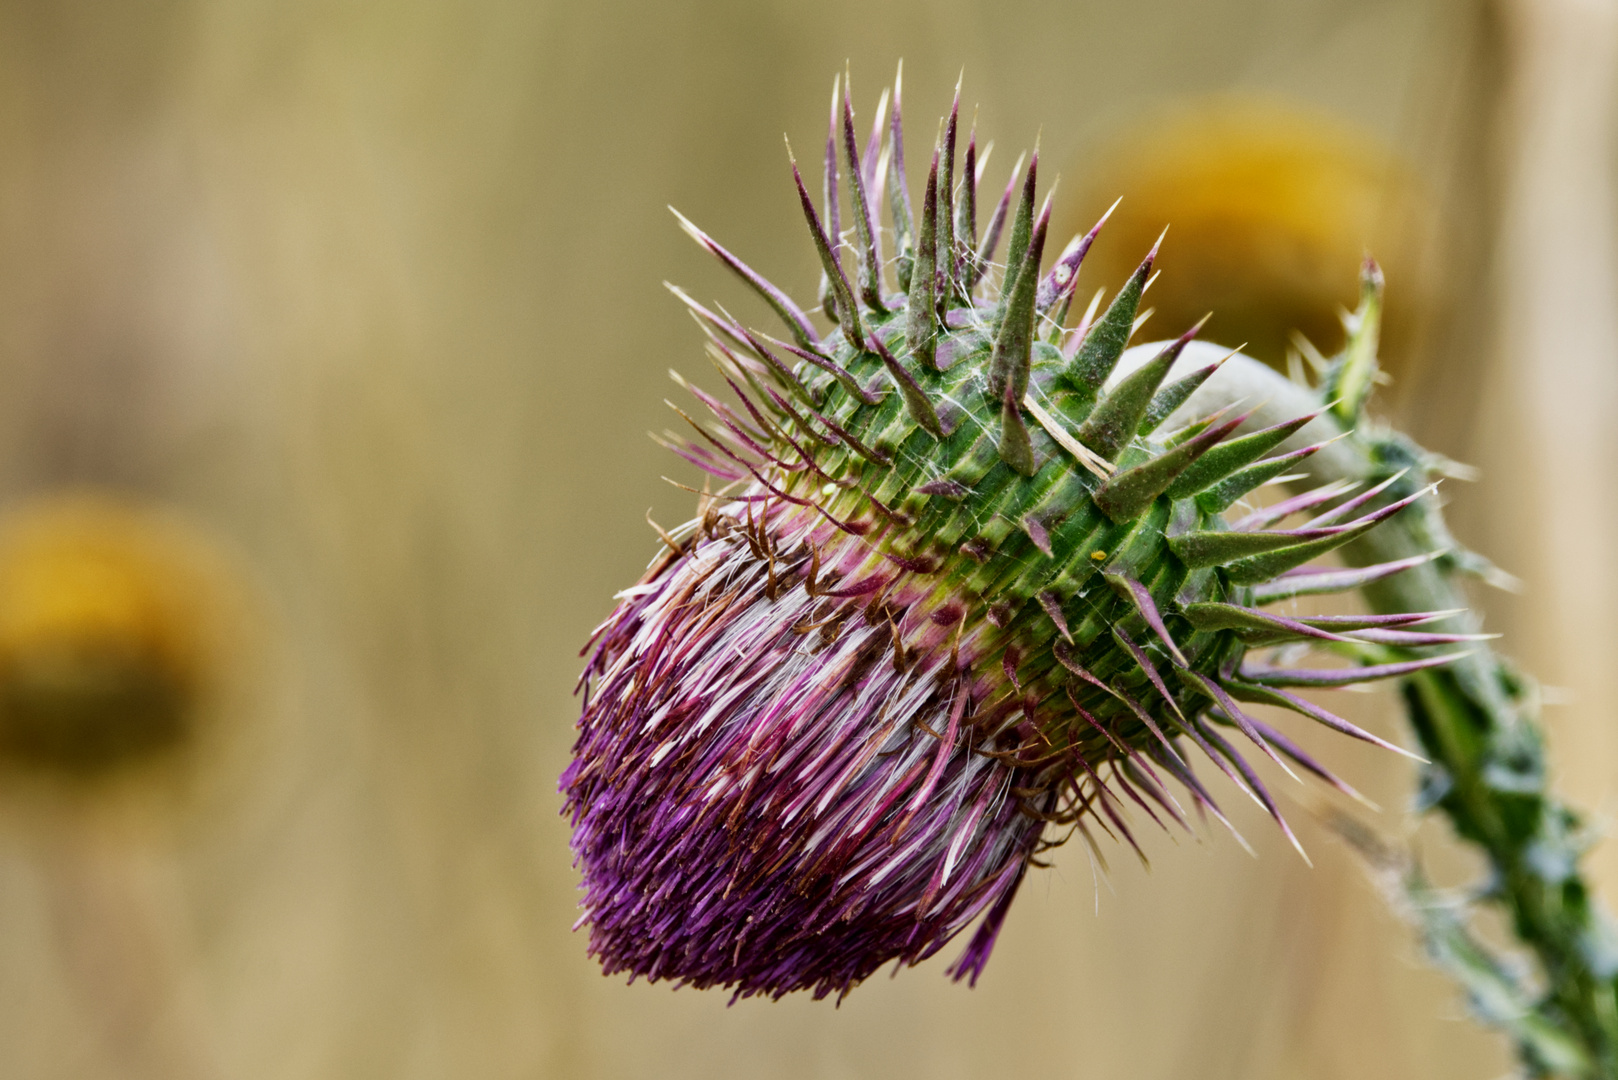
x=370, y=294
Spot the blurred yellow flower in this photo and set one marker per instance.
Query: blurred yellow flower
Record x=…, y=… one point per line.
x=116, y=622
x=1270, y=210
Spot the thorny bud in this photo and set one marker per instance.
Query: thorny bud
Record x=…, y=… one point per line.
x=958, y=599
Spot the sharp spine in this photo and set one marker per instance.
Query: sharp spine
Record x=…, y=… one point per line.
x=1087, y=372
x=1129, y=492
x=1222, y=495
x=921, y=315
x=1225, y=459
x=780, y=302
x=1118, y=415
x=848, y=312
x=870, y=253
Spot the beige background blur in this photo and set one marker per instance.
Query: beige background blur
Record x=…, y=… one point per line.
x=372, y=291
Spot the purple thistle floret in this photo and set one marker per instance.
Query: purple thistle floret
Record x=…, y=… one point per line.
x=955, y=589
x=816, y=808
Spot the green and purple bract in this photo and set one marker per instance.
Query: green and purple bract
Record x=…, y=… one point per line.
x=959, y=597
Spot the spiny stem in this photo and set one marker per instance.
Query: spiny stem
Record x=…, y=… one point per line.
x=1477, y=721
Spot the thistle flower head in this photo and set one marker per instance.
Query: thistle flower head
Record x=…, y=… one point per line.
x=962, y=594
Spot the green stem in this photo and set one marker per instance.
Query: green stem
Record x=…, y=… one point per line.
x=1478, y=722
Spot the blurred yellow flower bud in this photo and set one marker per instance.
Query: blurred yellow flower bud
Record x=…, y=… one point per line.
x=1270, y=210
x=118, y=626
